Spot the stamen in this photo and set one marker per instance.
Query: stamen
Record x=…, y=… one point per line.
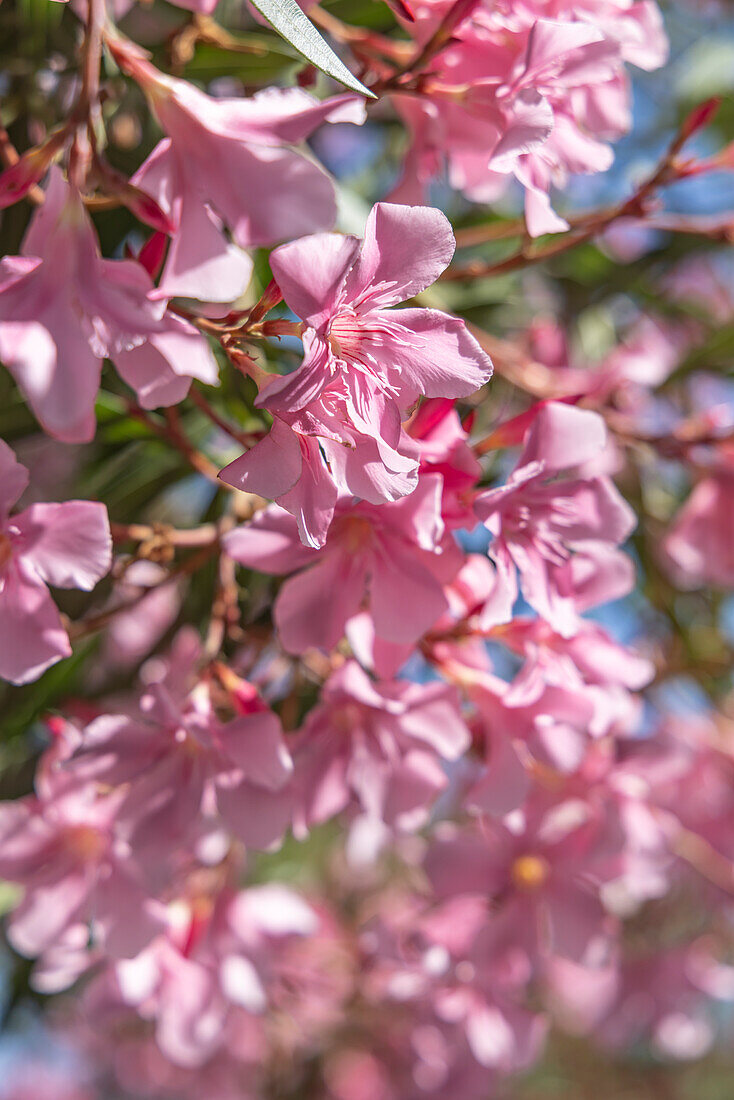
x=530, y=873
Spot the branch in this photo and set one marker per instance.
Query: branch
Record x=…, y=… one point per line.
x=188, y=537
x=586, y=227
x=245, y=439
x=93, y=623
x=172, y=433
x=225, y=617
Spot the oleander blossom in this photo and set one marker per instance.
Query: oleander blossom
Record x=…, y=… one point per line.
x=535, y=91
x=698, y=548
x=65, y=545
x=377, y=748
x=538, y=520
x=65, y=846
x=209, y=979
x=182, y=770
x=225, y=165
x=337, y=419
x=543, y=866
x=394, y=559
x=63, y=309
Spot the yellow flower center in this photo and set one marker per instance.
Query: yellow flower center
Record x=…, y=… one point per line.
x=530, y=873
x=86, y=843
x=356, y=533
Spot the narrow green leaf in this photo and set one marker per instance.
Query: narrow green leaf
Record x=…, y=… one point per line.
x=288, y=20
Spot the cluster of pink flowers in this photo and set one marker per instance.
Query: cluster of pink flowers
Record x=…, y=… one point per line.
x=534, y=90
x=526, y=817
x=375, y=836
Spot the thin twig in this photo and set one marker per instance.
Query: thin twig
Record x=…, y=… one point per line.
x=225, y=617
x=171, y=432
x=183, y=537
x=584, y=227
x=93, y=623
x=247, y=440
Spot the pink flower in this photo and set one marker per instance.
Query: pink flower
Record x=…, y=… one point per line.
x=440, y=961
x=63, y=309
x=535, y=92
x=376, y=746
x=699, y=548
x=443, y=447
x=65, y=545
x=32, y=1080
x=395, y=557
x=207, y=981
x=656, y=1000
x=348, y=441
x=65, y=847
x=538, y=523
x=645, y=358
x=466, y=595
x=598, y=657
x=223, y=165
x=179, y=766
x=338, y=416
x=552, y=709
x=543, y=867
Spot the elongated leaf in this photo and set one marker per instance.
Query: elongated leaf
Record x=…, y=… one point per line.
x=287, y=19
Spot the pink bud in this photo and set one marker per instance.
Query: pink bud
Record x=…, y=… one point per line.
x=699, y=117
x=17, y=180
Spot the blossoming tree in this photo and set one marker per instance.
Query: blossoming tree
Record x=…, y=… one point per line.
x=388, y=750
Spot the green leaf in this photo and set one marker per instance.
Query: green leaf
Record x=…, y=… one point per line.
x=288, y=20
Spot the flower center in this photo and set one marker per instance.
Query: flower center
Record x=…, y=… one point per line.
x=355, y=533
x=86, y=843
x=347, y=718
x=187, y=741
x=345, y=335
x=529, y=873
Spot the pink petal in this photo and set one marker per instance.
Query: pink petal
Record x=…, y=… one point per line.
x=160, y=370
x=257, y=816
x=46, y=911
x=601, y=512
x=271, y=467
x=313, y=498
x=435, y=355
x=412, y=788
x=310, y=272
x=56, y=369
x=122, y=916
x=405, y=599
x=68, y=545
x=550, y=44
x=201, y=262
x=313, y=607
x=405, y=249
x=255, y=744
x=26, y=839
x=529, y=124
x=284, y=116
x=13, y=479
x=433, y=716
x=148, y=373
x=286, y=196
x=269, y=543
x=31, y=634
x=562, y=436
